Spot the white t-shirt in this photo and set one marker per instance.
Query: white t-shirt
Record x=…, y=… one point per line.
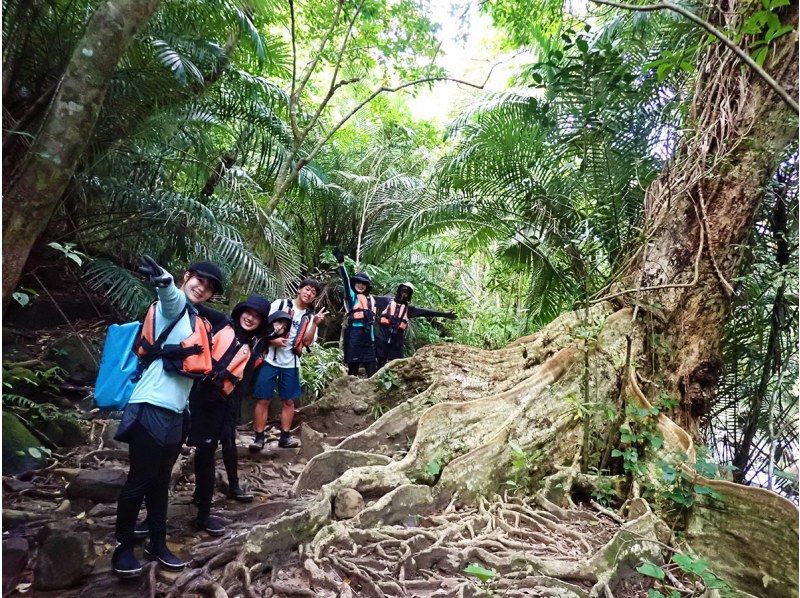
x=283, y=357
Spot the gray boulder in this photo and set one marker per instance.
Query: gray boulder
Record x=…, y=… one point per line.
x=98, y=485
x=15, y=557
x=348, y=503
x=65, y=558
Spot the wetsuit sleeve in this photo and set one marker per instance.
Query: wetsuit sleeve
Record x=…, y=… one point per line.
x=381, y=302
x=218, y=319
x=421, y=312
x=170, y=301
x=348, y=292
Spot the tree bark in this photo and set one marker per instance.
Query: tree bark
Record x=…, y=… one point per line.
x=33, y=197
x=701, y=208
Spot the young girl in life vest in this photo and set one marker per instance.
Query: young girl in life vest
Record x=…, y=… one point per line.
x=393, y=322
x=359, y=336
x=215, y=403
x=153, y=421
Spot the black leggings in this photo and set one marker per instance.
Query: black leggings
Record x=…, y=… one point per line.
x=148, y=480
x=370, y=367
x=205, y=472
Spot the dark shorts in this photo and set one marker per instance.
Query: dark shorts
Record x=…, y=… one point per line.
x=358, y=345
x=386, y=350
x=287, y=380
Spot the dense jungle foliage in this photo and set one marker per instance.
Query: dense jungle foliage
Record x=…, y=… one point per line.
x=261, y=134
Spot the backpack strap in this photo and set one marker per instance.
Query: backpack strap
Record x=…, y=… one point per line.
x=155, y=350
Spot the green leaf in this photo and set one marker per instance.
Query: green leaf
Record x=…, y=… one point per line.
x=481, y=573
x=657, y=441
x=651, y=570
x=761, y=56
x=684, y=561
x=582, y=45
x=616, y=453
x=35, y=452
x=433, y=468
x=651, y=593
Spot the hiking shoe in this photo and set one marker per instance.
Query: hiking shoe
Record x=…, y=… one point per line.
x=258, y=441
x=162, y=554
x=237, y=493
x=211, y=524
x=124, y=563
x=287, y=440
x=142, y=530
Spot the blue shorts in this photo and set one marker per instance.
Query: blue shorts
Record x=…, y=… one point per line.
x=288, y=380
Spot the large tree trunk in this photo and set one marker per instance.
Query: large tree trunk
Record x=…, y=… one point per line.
x=32, y=198
x=705, y=202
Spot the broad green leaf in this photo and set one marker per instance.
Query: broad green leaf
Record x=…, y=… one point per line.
x=651, y=570
x=480, y=572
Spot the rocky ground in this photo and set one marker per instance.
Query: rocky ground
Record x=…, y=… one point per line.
x=59, y=509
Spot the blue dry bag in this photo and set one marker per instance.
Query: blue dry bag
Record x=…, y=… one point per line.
x=119, y=367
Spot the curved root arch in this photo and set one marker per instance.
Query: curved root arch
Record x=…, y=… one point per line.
x=460, y=453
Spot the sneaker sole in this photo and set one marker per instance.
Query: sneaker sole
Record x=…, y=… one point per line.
x=127, y=573
x=141, y=535
x=149, y=555
x=211, y=532
x=241, y=498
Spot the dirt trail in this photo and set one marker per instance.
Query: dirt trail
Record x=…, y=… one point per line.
x=41, y=500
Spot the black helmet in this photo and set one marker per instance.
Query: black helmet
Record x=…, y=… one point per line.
x=362, y=277
x=255, y=302
x=210, y=271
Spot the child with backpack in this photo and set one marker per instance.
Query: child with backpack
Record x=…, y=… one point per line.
x=174, y=347
x=394, y=319
x=359, y=336
x=281, y=367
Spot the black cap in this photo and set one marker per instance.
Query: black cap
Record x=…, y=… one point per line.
x=362, y=277
x=210, y=271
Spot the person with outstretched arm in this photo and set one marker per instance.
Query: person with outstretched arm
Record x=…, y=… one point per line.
x=395, y=313
x=154, y=421
x=359, y=335
x=215, y=402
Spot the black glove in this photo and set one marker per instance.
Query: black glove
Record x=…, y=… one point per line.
x=451, y=315
x=337, y=253
x=157, y=275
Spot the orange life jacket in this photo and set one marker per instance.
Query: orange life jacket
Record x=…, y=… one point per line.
x=395, y=315
x=364, y=310
x=229, y=359
x=298, y=345
x=191, y=357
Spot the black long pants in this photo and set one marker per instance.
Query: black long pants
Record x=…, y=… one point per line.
x=205, y=472
x=230, y=457
x=148, y=480
x=370, y=367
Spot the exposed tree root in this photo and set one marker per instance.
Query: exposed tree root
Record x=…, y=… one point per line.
x=427, y=520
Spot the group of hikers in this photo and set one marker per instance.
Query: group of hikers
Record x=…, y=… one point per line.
x=197, y=364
